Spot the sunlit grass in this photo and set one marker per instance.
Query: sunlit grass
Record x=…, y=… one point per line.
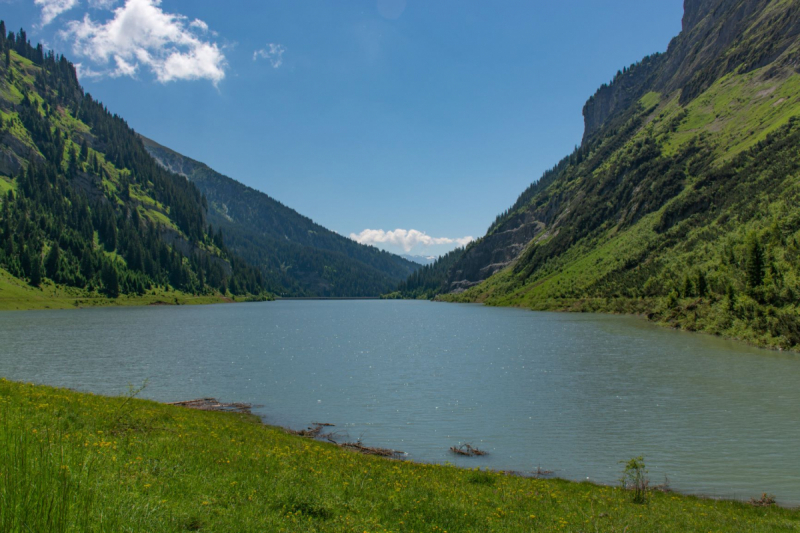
x=78, y=462
x=16, y=294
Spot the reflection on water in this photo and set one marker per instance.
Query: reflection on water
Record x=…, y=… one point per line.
x=572, y=393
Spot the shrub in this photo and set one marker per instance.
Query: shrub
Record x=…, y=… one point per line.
x=634, y=479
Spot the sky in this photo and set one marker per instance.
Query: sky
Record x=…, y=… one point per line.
x=406, y=124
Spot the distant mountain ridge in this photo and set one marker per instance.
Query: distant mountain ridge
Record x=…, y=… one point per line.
x=681, y=202
x=296, y=256
x=420, y=259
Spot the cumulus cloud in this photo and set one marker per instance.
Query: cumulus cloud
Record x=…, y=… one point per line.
x=407, y=239
x=53, y=8
x=140, y=35
x=273, y=52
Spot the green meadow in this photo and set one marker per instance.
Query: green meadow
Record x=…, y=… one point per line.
x=78, y=462
x=18, y=295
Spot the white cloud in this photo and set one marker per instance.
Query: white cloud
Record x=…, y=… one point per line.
x=53, y=8
x=406, y=239
x=200, y=25
x=273, y=52
x=141, y=35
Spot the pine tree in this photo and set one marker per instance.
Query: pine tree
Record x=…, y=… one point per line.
x=87, y=264
x=755, y=263
x=36, y=269
x=701, y=284
x=110, y=280
x=51, y=263
x=731, y=298
x=688, y=287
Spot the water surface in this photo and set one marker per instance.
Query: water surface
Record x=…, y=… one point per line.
x=572, y=393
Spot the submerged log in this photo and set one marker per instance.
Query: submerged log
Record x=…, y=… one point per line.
x=212, y=404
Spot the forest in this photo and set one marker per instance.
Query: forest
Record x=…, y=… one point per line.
x=83, y=203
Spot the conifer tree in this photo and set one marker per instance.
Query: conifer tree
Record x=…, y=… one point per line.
x=51, y=263
x=110, y=279
x=36, y=269
x=755, y=262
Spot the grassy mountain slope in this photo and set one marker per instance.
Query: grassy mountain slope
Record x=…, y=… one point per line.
x=682, y=201
x=85, y=213
x=296, y=256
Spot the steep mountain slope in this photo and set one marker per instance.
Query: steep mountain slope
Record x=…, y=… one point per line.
x=296, y=256
x=84, y=207
x=682, y=201
x=429, y=280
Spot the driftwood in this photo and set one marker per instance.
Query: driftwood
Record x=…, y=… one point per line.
x=369, y=450
x=312, y=432
x=212, y=404
x=315, y=431
x=467, y=450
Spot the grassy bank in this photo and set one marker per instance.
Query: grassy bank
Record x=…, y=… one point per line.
x=16, y=294
x=78, y=462
x=698, y=315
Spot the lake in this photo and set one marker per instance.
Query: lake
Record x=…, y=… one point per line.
x=571, y=393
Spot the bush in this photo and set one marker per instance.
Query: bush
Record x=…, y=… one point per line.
x=634, y=479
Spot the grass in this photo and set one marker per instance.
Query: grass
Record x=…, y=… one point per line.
x=739, y=111
x=16, y=294
x=6, y=184
x=79, y=462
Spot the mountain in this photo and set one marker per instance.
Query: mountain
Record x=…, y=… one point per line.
x=296, y=256
x=681, y=202
x=85, y=209
x=431, y=279
x=420, y=259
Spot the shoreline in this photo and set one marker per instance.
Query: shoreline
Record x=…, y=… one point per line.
x=643, y=314
x=130, y=464
x=316, y=433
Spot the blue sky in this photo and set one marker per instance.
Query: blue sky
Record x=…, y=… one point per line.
x=428, y=117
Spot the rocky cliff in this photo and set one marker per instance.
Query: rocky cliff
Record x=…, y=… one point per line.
x=718, y=37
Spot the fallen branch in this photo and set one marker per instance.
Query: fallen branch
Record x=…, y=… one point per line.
x=467, y=450
x=369, y=450
x=310, y=433
x=212, y=404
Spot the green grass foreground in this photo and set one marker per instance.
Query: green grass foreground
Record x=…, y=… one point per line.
x=79, y=462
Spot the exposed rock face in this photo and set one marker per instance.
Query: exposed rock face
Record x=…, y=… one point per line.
x=500, y=248
x=620, y=95
x=495, y=252
x=718, y=37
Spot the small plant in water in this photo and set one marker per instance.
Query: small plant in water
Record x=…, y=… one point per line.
x=634, y=479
